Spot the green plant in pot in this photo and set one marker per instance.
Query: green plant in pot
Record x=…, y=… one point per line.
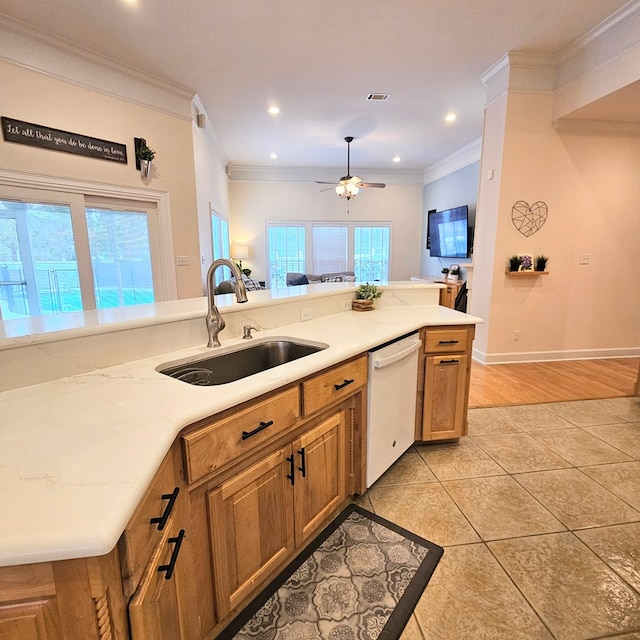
x=540, y=263
x=145, y=155
x=514, y=262
x=366, y=295
x=445, y=272
x=454, y=272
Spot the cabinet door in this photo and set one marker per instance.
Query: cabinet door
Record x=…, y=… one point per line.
x=31, y=620
x=320, y=481
x=445, y=397
x=155, y=609
x=251, y=528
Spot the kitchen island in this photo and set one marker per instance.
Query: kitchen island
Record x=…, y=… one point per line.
x=78, y=453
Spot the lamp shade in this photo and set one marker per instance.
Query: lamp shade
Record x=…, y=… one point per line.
x=239, y=251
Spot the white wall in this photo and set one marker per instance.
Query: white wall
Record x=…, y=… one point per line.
x=39, y=98
x=252, y=204
x=590, y=184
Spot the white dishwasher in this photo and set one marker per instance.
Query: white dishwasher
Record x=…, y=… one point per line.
x=393, y=376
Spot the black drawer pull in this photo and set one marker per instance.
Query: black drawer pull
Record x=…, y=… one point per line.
x=292, y=465
x=337, y=387
x=448, y=341
x=162, y=520
x=449, y=362
x=263, y=425
x=303, y=462
x=168, y=568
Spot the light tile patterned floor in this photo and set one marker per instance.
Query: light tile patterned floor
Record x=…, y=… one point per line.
x=538, y=509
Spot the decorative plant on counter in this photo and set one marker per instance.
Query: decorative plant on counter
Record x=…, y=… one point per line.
x=366, y=295
x=514, y=263
x=454, y=272
x=540, y=263
x=445, y=272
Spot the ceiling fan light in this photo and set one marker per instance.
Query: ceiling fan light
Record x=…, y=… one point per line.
x=341, y=190
x=352, y=189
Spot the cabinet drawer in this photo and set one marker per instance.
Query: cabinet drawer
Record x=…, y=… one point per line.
x=446, y=340
x=213, y=446
x=145, y=529
x=333, y=385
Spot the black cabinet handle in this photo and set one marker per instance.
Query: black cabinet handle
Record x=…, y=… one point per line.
x=449, y=362
x=292, y=466
x=263, y=425
x=303, y=462
x=162, y=520
x=448, y=341
x=168, y=568
x=337, y=387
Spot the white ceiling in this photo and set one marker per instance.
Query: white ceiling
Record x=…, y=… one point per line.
x=317, y=60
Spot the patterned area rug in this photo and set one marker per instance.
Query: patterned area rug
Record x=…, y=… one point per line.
x=360, y=579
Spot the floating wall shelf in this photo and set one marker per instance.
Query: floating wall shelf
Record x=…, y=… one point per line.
x=518, y=274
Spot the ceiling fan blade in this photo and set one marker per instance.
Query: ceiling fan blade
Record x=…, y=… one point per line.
x=375, y=185
x=321, y=182
x=329, y=189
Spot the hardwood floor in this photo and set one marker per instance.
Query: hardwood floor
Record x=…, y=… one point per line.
x=534, y=382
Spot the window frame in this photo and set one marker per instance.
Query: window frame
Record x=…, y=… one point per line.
x=15, y=185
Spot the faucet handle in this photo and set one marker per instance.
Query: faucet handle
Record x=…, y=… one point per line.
x=247, y=331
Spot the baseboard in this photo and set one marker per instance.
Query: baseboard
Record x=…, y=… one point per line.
x=550, y=356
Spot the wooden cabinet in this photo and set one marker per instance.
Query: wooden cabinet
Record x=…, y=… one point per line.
x=156, y=611
x=445, y=382
x=258, y=518
x=450, y=292
x=66, y=599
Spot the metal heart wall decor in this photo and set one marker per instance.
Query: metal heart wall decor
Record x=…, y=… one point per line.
x=529, y=219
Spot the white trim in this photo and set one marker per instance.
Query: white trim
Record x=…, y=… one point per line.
x=167, y=287
x=462, y=157
x=549, y=356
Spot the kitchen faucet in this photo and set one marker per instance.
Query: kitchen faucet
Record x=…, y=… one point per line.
x=215, y=322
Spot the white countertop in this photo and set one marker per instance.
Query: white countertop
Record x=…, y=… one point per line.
x=77, y=453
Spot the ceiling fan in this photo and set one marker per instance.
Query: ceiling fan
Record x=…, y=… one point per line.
x=349, y=186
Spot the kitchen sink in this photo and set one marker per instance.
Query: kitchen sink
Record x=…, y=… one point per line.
x=239, y=362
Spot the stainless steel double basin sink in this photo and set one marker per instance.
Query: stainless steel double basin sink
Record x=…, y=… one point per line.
x=235, y=363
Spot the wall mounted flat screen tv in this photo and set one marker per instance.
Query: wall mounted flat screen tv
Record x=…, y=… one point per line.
x=449, y=233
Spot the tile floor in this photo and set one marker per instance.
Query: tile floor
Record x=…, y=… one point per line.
x=538, y=510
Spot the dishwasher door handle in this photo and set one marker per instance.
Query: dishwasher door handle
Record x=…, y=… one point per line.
x=379, y=363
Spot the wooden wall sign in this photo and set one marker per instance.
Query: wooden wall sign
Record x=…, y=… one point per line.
x=36, y=135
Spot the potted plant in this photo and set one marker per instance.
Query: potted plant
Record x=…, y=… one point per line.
x=454, y=272
x=366, y=295
x=540, y=263
x=514, y=263
x=445, y=272
x=145, y=155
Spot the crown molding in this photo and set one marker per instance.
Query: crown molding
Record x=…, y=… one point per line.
x=58, y=58
x=462, y=157
x=209, y=133
x=248, y=173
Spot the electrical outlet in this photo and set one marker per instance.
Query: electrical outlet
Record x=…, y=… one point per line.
x=306, y=314
x=516, y=335
x=585, y=258
x=182, y=261
x=346, y=305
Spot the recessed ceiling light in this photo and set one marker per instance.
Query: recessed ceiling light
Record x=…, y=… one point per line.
x=274, y=111
x=396, y=159
x=273, y=156
x=450, y=117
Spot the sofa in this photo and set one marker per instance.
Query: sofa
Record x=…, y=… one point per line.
x=229, y=286
x=293, y=279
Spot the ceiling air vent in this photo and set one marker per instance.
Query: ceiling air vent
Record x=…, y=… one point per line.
x=378, y=97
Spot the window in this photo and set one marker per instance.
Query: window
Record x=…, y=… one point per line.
x=286, y=250
x=62, y=252
x=220, y=236
x=371, y=254
x=315, y=247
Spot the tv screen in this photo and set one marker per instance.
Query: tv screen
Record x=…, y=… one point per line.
x=449, y=233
